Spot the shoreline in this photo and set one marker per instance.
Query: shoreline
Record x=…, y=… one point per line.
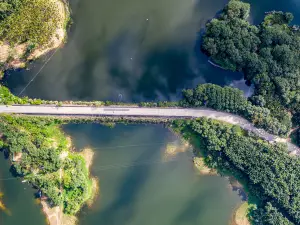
x=55, y=215
x=239, y=215
x=201, y=168
x=88, y=155
x=18, y=60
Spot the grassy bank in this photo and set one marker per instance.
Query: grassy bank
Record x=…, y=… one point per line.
x=240, y=216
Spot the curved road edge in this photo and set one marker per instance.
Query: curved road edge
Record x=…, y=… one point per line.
x=146, y=112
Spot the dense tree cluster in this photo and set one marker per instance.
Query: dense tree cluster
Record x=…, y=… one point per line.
x=32, y=21
x=272, y=176
x=7, y=7
x=232, y=100
x=46, y=161
x=268, y=54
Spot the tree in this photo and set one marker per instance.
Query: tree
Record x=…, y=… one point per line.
x=267, y=54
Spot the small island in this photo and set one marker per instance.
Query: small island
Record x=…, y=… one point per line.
x=30, y=29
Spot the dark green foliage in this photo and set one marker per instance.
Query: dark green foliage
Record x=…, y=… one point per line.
x=272, y=175
x=7, y=7
x=232, y=100
x=267, y=54
x=231, y=40
x=213, y=96
x=63, y=179
x=269, y=215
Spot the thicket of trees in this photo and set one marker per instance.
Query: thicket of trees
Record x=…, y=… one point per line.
x=232, y=100
x=272, y=176
x=7, y=7
x=64, y=179
x=32, y=21
x=268, y=54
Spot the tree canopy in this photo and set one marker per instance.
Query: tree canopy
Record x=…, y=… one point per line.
x=268, y=54
x=232, y=100
x=46, y=161
x=271, y=175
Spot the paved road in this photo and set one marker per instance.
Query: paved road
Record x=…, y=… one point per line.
x=145, y=112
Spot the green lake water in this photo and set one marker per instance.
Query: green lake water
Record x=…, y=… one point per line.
x=18, y=199
x=138, y=185
x=130, y=51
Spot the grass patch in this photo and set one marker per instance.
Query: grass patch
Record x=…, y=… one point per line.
x=34, y=21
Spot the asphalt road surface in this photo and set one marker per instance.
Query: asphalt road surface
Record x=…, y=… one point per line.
x=145, y=112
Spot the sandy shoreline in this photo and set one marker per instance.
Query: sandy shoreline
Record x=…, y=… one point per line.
x=16, y=59
x=88, y=154
x=55, y=215
x=200, y=166
x=239, y=216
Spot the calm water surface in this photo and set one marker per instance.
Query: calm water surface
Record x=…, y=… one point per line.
x=143, y=50
x=19, y=200
x=140, y=186
x=137, y=48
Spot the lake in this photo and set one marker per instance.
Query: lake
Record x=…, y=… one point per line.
x=140, y=184
x=131, y=51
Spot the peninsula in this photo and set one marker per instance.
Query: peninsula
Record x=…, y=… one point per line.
x=30, y=29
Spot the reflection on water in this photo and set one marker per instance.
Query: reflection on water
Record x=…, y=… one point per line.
x=138, y=48
x=138, y=186
x=259, y=7
x=18, y=199
x=143, y=50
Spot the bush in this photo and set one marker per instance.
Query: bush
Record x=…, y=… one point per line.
x=232, y=100
x=35, y=21
x=41, y=143
x=271, y=175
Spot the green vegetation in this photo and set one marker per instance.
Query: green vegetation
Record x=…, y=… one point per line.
x=232, y=100
x=46, y=161
x=7, y=7
x=225, y=99
x=268, y=55
x=298, y=137
x=270, y=174
x=7, y=98
x=32, y=21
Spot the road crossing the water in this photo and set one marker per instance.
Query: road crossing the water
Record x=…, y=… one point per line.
x=133, y=111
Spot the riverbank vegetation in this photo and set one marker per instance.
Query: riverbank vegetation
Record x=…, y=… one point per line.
x=30, y=28
x=269, y=173
x=240, y=216
x=232, y=100
x=46, y=161
x=267, y=54
x=205, y=95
